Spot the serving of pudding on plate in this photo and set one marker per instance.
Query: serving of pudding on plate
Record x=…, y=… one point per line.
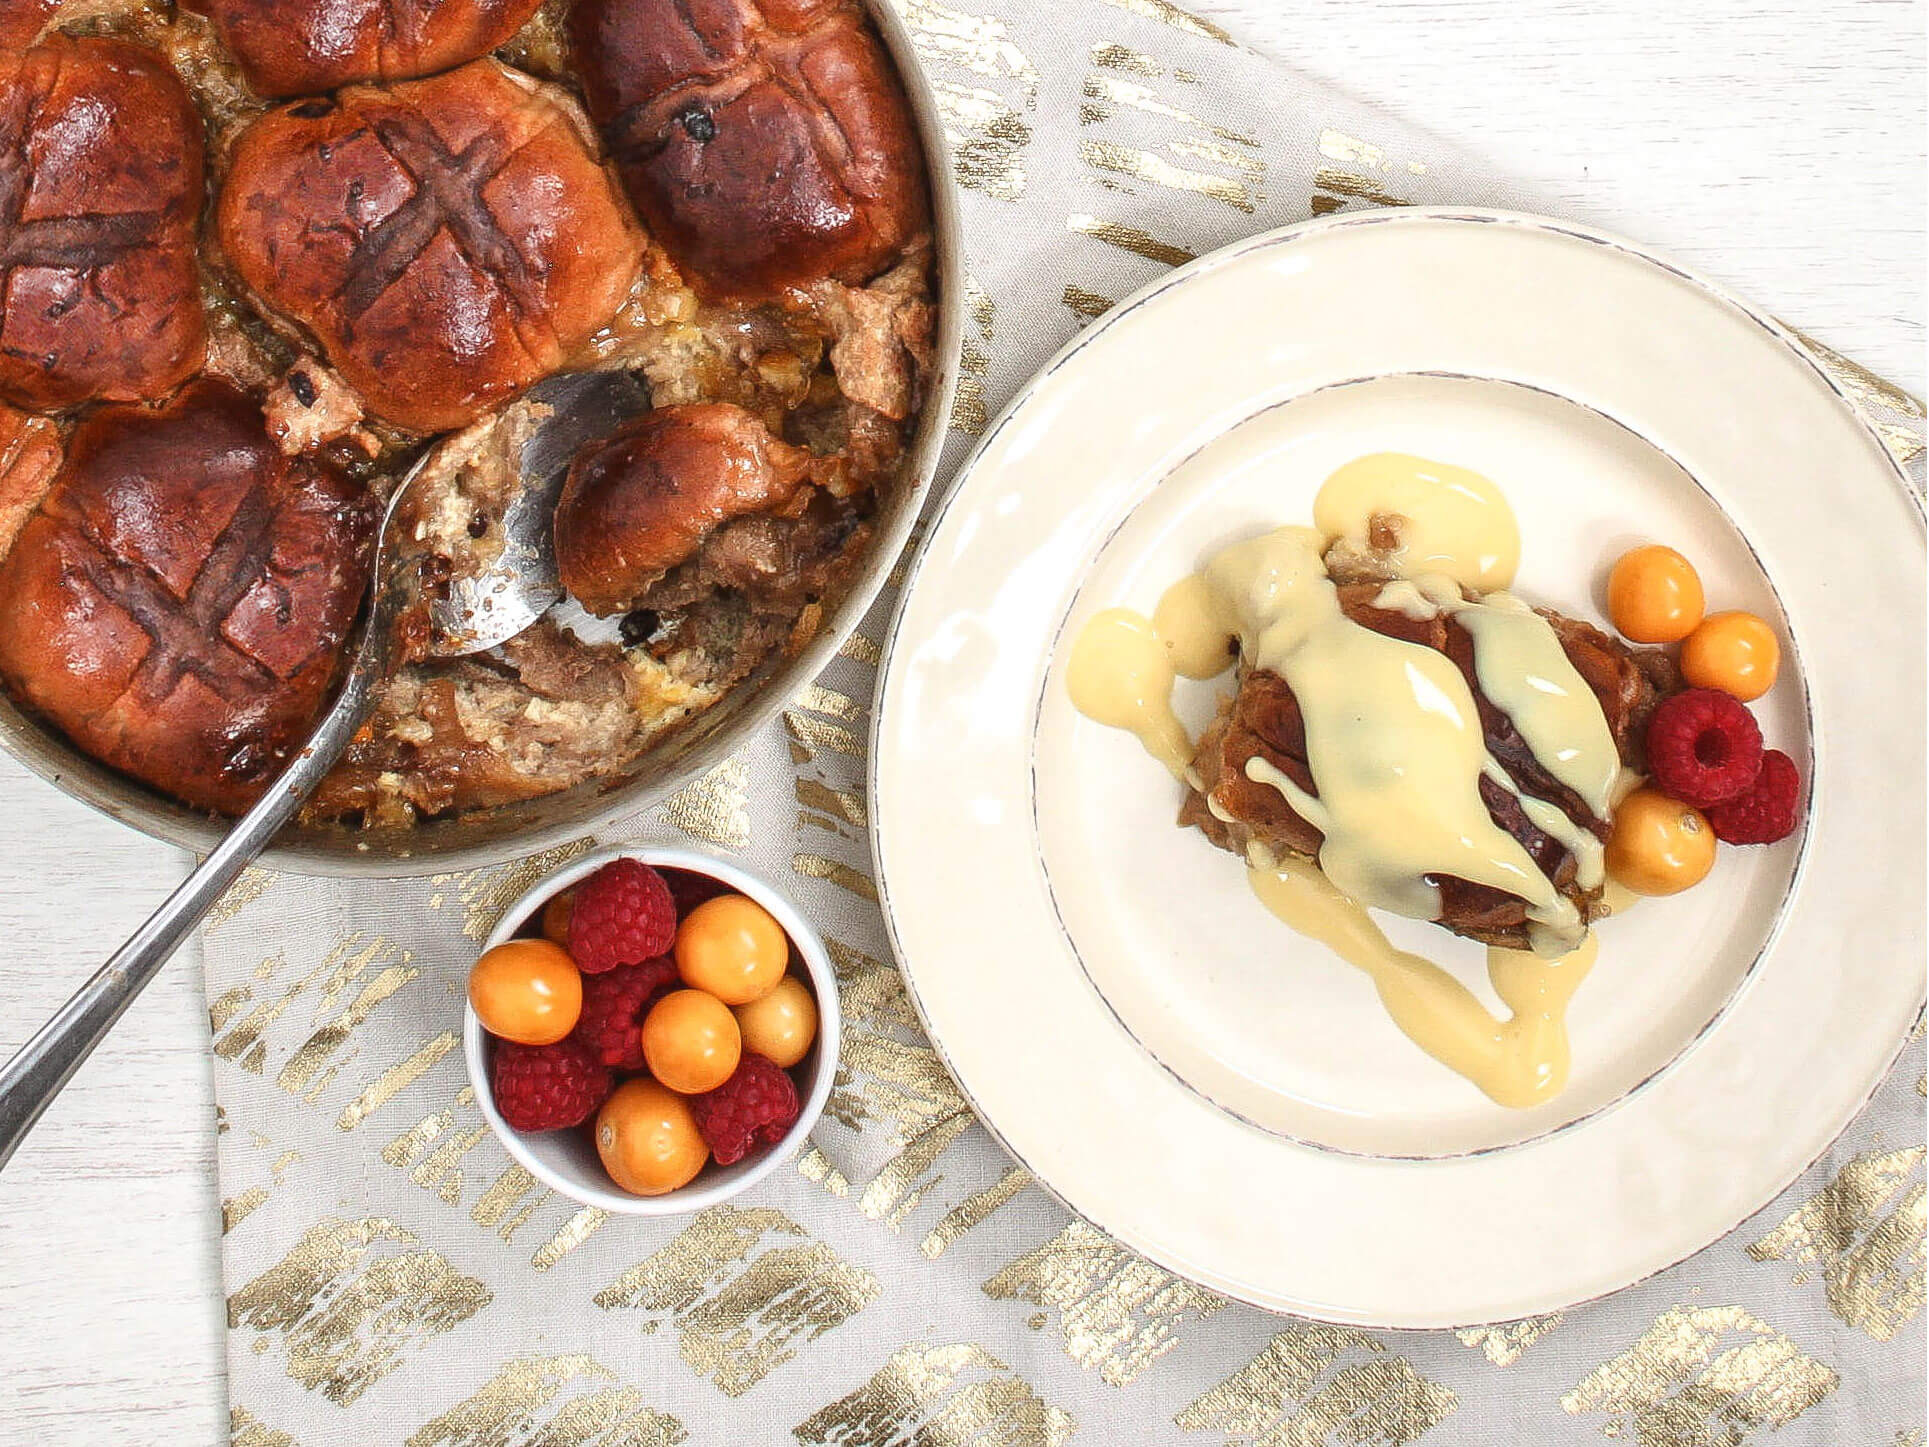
x=415, y=211
x=1405, y=734
x=1234, y=1098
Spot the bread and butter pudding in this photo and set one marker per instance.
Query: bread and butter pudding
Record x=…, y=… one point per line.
x=1559, y=710
x=299, y=251
x=1406, y=734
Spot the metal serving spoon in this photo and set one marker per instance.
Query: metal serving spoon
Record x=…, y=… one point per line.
x=479, y=613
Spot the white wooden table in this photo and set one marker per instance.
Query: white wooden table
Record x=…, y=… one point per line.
x=1776, y=144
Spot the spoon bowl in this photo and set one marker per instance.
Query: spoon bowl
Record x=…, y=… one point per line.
x=520, y=583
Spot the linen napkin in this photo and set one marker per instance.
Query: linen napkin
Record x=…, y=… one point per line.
x=393, y=1277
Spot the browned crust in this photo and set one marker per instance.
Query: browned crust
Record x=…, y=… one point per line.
x=702, y=102
x=448, y=241
x=99, y=298
x=642, y=502
x=301, y=47
x=178, y=602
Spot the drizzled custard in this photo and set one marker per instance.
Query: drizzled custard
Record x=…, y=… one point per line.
x=1395, y=745
x=1120, y=675
x=1518, y=1062
x=1457, y=523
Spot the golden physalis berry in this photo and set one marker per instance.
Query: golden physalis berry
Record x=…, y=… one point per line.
x=781, y=1026
x=691, y=1041
x=1659, y=845
x=556, y=918
x=528, y=991
x=1735, y=652
x=648, y=1139
x=731, y=947
x=1654, y=595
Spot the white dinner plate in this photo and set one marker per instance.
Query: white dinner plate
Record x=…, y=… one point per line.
x=1228, y=1097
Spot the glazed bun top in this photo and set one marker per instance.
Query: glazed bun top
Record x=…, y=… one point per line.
x=644, y=500
x=100, y=194
x=766, y=145
x=179, y=601
x=447, y=241
x=305, y=47
x=21, y=21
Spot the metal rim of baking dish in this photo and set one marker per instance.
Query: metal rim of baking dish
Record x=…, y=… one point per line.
x=490, y=836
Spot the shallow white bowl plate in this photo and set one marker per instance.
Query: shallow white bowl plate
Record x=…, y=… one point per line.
x=1228, y=1097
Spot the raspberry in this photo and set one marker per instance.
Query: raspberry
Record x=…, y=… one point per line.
x=754, y=1107
x=614, y=1004
x=547, y=1087
x=1704, y=748
x=1766, y=813
x=623, y=915
x=690, y=890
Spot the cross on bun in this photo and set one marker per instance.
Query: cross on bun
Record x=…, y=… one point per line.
x=766, y=143
x=448, y=241
x=100, y=193
x=301, y=47
x=178, y=603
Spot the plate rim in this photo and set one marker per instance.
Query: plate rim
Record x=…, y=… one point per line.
x=1778, y=333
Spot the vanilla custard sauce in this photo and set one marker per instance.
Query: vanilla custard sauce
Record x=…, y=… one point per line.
x=1518, y=1062
x=1394, y=744
x=1393, y=739
x=1457, y=522
x=1194, y=628
x=1120, y=674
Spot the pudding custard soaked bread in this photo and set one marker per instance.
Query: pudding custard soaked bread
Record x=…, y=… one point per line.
x=416, y=210
x=1263, y=720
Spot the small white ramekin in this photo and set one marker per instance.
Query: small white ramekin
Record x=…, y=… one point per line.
x=566, y=1160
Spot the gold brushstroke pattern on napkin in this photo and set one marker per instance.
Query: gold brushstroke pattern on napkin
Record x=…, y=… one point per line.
x=714, y=809
x=970, y=413
x=1503, y=1345
x=1707, y=1376
x=396, y=1078
x=252, y=884
x=946, y=1396
x=247, y=1430
x=1314, y=1384
x=559, y=1401
x=743, y=1299
x=984, y=86
x=346, y=1306
x=1864, y=1233
x=1117, y=1312
x=973, y=1211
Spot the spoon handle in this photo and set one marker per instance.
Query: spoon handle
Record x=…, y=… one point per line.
x=35, y=1075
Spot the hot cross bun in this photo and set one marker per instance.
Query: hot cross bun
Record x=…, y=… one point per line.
x=299, y=47
x=645, y=500
x=448, y=241
x=177, y=604
x=766, y=143
x=100, y=193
